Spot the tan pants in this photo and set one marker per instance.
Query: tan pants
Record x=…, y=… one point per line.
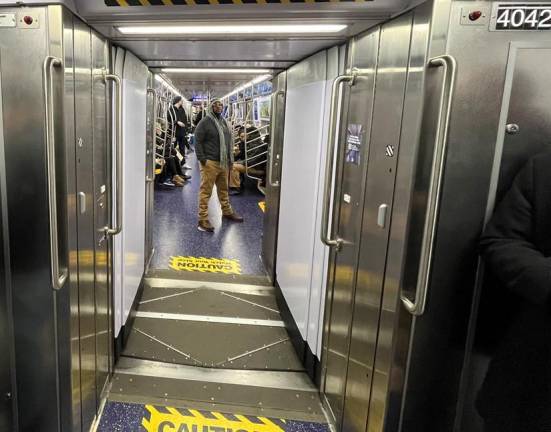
x=213, y=174
x=235, y=180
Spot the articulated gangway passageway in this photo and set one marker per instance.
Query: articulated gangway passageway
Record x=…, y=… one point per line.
x=217, y=354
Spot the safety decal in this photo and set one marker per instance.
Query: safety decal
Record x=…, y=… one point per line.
x=131, y=417
x=190, y=420
x=125, y=3
x=205, y=265
x=262, y=205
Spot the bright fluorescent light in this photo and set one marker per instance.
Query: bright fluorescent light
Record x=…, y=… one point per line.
x=167, y=85
x=234, y=29
x=257, y=80
x=215, y=70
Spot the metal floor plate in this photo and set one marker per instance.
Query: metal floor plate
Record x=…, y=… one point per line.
x=212, y=344
x=212, y=328
x=209, y=302
x=199, y=354
x=263, y=399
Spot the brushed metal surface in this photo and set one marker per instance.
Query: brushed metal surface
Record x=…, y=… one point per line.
x=102, y=181
x=253, y=378
x=357, y=111
x=7, y=365
x=85, y=222
x=210, y=319
x=380, y=185
x=271, y=216
x=387, y=379
x=34, y=301
x=70, y=400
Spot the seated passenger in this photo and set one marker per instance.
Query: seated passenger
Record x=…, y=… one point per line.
x=253, y=142
x=171, y=171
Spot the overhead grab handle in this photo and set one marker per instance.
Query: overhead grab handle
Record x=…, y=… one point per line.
x=118, y=157
x=331, y=159
x=417, y=306
x=58, y=275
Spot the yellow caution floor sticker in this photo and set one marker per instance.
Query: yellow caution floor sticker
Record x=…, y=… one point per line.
x=167, y=419
x=133, y=417
x=205, y=265
x=262, y=205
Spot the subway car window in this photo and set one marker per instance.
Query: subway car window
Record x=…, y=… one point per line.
x=275, y=216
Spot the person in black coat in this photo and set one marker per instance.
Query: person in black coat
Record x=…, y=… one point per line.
x=179, y=123
x=516, y=247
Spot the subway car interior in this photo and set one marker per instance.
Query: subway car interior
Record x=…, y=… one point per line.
x=275, y=216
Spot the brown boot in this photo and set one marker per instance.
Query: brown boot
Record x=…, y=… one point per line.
x=234, y=217
x=205, y=226
x=177, y=182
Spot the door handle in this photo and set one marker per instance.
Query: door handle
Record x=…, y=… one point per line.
x=331, y=159
x=118, y=158
x=273, y=138
x=417, y=305
x=58, y=275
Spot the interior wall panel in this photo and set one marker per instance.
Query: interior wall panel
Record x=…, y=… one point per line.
x=134, y=162
x=301, y=257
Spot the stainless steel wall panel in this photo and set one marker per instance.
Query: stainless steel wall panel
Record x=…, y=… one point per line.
x=68, y=311
x=8, y=407
x=384, y=151
x=388, y=380
x=85, y=217
x=101, y=199
x=349, y=199
x=25, y=153
x=271, y=217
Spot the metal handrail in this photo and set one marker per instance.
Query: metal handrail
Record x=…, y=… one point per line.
x=152, y=149
x=417, y=306
x=331, y=160
x=118, y=137
x=58, y=276
x=272, y=138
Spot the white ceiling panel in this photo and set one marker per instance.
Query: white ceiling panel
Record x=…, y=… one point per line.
x=226, y=51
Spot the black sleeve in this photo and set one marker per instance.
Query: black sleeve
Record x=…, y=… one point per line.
x=508, y=244
x=200, y=141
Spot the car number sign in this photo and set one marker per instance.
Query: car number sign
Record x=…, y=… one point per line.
x=522, y=16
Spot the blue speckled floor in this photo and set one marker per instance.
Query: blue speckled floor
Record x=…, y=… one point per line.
x=175, y=226
x=129, y=417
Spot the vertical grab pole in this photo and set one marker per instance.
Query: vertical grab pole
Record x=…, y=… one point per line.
x=272, y=140
x=417, y=306
x=331, y=160
x=118, y=138
x=150, y=179
x=58, y=276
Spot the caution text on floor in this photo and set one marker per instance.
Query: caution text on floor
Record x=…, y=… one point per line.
x=167, y=419
x=132, y=417
x=205, y=265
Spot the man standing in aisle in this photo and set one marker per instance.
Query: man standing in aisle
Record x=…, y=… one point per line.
x=214, y=150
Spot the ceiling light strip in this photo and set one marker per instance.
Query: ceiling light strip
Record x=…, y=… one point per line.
x=257, y=80
x=233, y=29
x=168, y=85
x=215, y=70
